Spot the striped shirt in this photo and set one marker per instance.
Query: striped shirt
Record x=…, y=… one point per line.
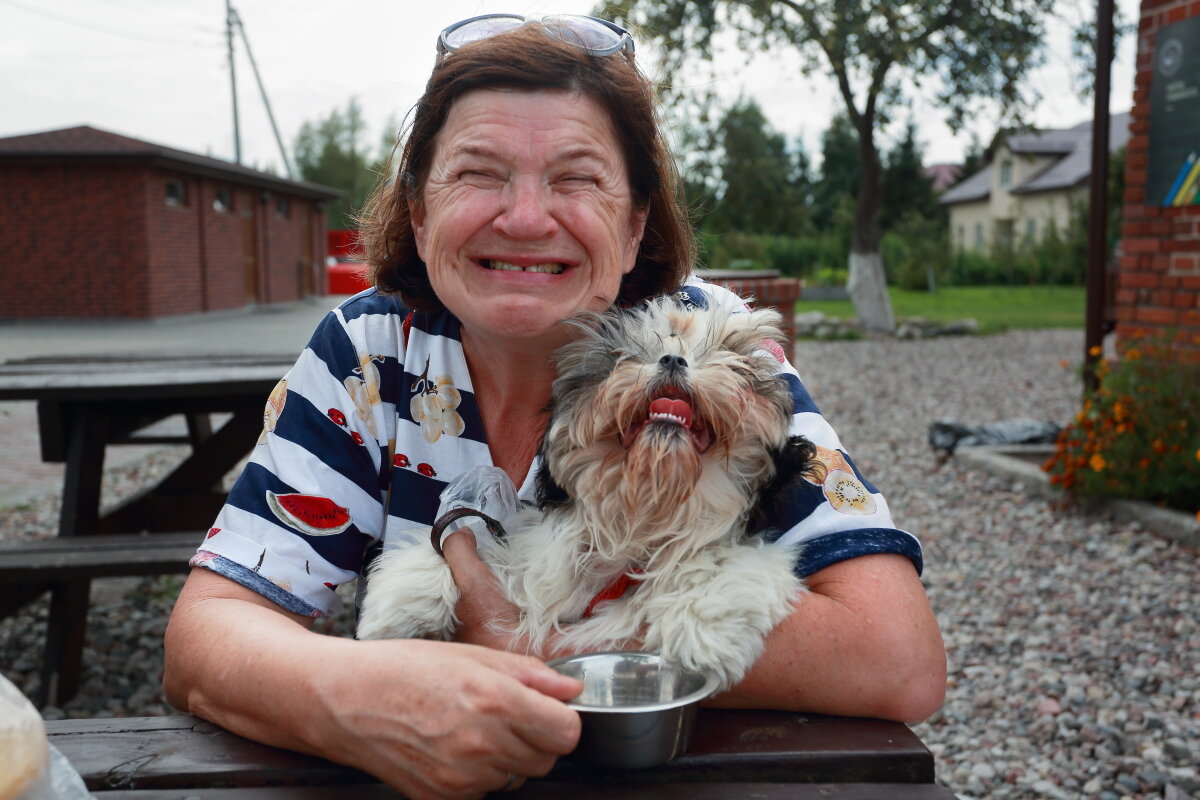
x=378, y=415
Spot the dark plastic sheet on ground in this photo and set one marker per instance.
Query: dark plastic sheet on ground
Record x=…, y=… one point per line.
x=947, y=435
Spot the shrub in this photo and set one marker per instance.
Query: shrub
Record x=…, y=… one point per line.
x=1138, y=435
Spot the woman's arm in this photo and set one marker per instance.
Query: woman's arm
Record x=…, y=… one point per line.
x=862, y=642
x=432, y=719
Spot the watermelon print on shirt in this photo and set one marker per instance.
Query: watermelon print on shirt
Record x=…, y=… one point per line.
x=379, y=413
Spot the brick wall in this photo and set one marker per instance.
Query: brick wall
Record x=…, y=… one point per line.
x=1158, y=266
x=72, y=242
x=79, y=240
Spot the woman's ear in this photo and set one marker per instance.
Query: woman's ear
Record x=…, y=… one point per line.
x=637, y=229
x=416, y=218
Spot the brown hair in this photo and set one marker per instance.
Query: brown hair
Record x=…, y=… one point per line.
x=526, y=59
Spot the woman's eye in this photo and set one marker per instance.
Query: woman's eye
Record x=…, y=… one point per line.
x=480, y=179
x=576, y=181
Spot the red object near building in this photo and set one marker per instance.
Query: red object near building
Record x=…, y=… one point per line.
x=345, y=272
x=94, y=224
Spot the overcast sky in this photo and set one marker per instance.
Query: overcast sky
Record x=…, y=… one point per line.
x=158, y=70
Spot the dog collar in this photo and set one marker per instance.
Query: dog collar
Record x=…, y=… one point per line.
x=614, y=591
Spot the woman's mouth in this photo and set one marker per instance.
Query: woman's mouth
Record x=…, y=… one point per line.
x=548, y=268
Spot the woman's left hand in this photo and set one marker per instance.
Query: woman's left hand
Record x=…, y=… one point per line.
x=484, y=612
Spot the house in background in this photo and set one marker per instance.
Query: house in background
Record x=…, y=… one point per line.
x=1031, y=181
x=95, y=224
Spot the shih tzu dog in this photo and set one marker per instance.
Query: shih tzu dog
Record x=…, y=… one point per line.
x=668, y=430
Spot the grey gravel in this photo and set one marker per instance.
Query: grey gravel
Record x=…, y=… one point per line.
x=1073, y=639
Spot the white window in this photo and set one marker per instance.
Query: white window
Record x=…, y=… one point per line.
x=1005, y=174
x=223, y=200
x=176, y=193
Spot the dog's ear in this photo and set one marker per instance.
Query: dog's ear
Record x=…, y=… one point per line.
x=749, y=330
x=795, y=460
x=548, y=494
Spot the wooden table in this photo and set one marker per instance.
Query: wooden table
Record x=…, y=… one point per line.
x=86, y=405
x=733, y=755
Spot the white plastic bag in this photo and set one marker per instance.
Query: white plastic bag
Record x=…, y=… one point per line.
x=30, y=767
x=487, y=490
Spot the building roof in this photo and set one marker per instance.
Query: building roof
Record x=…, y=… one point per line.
x=88, y=144
x=1072, y=147
x=943, y=176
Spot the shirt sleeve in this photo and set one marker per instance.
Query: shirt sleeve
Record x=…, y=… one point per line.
x=311, y=498
x=837, y=514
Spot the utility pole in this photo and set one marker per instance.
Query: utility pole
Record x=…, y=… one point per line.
x=237, y=133
x=287, y=167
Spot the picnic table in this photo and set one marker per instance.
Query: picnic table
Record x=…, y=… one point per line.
x=733, y=755
x=85, y=406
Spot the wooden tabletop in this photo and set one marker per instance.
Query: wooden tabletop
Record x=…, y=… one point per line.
x=142, y=376
x=757, y=753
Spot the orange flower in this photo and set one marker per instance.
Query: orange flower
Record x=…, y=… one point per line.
x=1095, y=350
x=1133, y=354
x=1097, y=462
x=1158, y=446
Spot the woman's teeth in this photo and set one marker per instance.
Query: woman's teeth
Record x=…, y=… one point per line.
x=550, y=269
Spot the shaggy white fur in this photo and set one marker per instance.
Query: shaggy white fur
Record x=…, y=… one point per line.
x=667, y=424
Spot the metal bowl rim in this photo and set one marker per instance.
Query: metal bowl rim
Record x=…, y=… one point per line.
x=710, y=685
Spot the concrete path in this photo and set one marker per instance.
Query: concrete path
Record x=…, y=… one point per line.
x=283, y=329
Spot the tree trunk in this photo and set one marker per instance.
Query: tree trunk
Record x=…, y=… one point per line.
x=867, y=283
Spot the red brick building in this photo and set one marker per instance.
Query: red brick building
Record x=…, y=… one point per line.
x=1158, y=268
x=94, y=224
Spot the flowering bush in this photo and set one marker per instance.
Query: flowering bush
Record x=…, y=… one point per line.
x=1138, y=435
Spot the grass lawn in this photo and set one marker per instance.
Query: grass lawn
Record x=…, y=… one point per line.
x=997, y=308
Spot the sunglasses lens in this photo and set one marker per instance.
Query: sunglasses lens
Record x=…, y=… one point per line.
x=582, y=32
x=478, y=29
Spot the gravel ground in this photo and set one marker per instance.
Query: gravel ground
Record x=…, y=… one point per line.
x=1073, y=640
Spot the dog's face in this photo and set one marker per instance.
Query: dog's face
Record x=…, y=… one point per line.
x=662, y=414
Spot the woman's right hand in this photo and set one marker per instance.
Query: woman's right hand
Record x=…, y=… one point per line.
x=438, y=719
x=431, y=719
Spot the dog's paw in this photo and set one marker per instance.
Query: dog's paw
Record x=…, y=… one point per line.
x=410, y=594
x=716, y=616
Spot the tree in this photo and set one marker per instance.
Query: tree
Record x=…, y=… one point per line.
x=331, y=151
x=906, y=188
x=841, y=171
x=969, y=48
x=762, y=186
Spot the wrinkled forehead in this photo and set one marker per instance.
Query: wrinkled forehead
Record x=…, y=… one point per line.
x=549, y=123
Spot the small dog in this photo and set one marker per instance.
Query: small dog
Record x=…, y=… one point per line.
x=668, y=428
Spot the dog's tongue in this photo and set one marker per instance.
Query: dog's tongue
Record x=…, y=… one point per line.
x=666, y=408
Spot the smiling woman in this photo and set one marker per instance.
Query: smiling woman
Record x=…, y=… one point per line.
x=534, y=187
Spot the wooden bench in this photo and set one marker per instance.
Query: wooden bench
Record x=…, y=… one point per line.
x=64, y=566
x=106, y=556
x=88, y=404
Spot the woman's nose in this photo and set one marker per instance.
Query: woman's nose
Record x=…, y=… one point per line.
x=526, y=213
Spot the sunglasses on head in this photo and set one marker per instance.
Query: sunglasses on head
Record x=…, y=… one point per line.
x=594, y=36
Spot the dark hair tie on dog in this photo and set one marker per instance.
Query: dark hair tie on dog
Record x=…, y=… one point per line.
x=439, y=527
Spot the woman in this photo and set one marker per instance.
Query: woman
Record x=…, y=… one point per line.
x=534, y=184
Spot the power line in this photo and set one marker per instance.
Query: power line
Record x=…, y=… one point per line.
x=101, y=28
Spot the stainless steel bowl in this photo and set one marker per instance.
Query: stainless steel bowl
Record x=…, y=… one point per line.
x=638, y=710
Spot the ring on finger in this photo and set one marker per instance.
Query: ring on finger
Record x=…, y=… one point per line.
x=513, y=783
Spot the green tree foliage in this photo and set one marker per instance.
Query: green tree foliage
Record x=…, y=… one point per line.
x=962, y=49
x=761, y=186
x=906, y=188
x=841, y=171
x=332, y=151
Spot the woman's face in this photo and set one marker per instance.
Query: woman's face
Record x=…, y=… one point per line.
x=526, y=217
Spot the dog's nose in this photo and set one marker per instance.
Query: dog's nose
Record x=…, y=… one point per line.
x=673, y=362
